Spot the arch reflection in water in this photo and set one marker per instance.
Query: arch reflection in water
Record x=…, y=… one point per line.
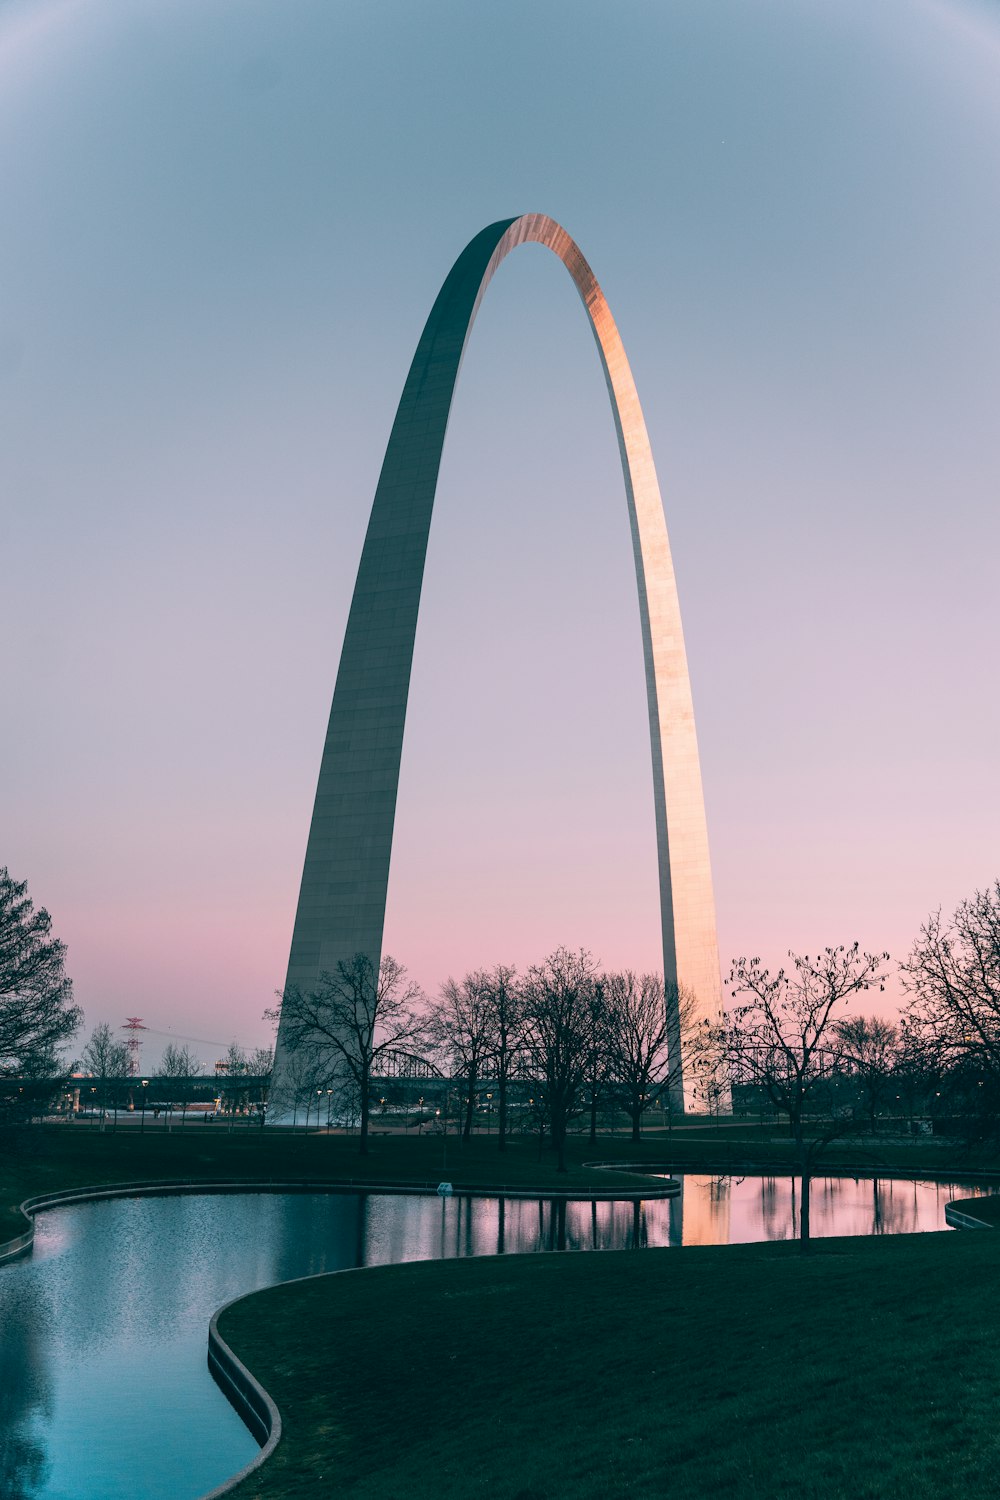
x=739, y=1210
x=104, y=1376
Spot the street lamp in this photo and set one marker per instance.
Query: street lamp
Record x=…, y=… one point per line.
x=142, y=1122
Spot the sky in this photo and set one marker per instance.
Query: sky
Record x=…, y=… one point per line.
x=224, y=224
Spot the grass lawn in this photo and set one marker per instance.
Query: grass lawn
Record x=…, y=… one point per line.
x=987, y=1209
x=869, y=1369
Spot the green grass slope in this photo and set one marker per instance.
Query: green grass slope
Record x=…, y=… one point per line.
x=868, y=1369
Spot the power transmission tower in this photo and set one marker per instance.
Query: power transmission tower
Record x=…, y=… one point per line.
x=133, y=1025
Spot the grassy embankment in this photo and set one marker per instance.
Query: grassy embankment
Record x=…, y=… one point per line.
x=869, y=1369
x=986, y=1209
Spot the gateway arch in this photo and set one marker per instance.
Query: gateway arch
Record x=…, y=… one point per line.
x=341, y=908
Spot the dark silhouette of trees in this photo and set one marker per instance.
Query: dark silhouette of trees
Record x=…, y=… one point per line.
x=297, y=1084
x=558, y=997
x=37, y=1014
x=260, y=1066
x=637, y=1037
x=952, y=1020
x=105, y=1058
x=596, y=1073
x=233, y=1088
x=919, y=1083
x=178, y=1064
x=502, y=996
x=353, y=1018
x=783, y=1039
x=247, y=1081
x=178, y=1067
x=868, y=1048
x=460, y=1027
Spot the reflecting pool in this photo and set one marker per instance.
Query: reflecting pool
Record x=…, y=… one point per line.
x=104, y=1387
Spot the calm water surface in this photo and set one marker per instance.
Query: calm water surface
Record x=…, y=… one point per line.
x=104, y=1389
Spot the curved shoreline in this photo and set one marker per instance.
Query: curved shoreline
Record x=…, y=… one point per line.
x=246, y=1396
x=22, y=1243
x=251, y=1401
x=244, y=1392
x=957, y=1218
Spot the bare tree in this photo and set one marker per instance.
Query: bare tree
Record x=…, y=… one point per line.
x=868, y=1047
x=460, y=1027
x=177, y=1063
x=783, y=1039
x=260, y=1065
x=177, y=1068
x=597, y=1072
x=37, y=1016
x=235, y=1061
x=105, y=1059
x=234, y=1068
x=638, y=1029
x=919, y=1078
x=952, y=1020
x=557, y=1000
x=297, y=1086
x=351, y=1019
x=502, y=996
x=261, y=1068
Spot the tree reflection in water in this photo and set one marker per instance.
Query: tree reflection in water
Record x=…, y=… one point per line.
x=25, y=1405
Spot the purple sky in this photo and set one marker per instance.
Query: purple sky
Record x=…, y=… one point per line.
x=224, y=226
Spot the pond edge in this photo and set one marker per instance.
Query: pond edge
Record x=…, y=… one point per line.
x=22, y=1243
x=957, y=1218
x=245, y=1394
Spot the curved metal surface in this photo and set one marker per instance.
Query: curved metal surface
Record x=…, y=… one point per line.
x=341, y=906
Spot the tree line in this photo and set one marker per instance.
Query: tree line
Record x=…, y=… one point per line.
x=579, y=1036
x=803, y=1039
x=791, y=1039
x=241, y=1082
